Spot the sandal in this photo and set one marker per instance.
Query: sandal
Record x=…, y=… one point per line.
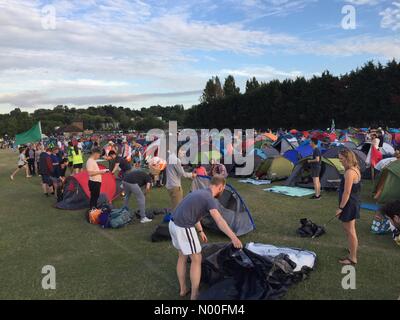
x=186, y=294
x=347, y=262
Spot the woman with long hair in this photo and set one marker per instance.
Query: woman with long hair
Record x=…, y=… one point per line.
x=349, y=202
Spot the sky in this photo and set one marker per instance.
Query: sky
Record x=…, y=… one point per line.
x=136, y=53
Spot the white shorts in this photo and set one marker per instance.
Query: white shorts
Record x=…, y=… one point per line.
x=184, y=239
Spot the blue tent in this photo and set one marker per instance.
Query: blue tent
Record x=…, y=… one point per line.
x=303, y=151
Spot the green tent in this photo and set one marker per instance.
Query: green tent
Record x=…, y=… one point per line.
x=387, y=187
x=275, y=169
x=32, y=135
x=206, y=157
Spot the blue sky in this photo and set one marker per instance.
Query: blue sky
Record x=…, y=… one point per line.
x=140, y=53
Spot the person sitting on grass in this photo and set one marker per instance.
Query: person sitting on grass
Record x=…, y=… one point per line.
x=392, y=211
x=185, y=220
x=22, y=163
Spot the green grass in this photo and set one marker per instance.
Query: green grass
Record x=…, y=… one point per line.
x=92, y=263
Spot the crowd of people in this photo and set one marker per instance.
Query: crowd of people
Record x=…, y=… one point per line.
x=126, y=160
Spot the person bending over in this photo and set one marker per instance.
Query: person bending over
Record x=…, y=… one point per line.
x=185, y=220
x=133, y=183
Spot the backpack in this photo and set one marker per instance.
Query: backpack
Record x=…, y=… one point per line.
x=380, y=225
x=94, y=216
x=119, y=218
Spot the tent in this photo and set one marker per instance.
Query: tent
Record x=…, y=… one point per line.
x=270, y=152
x=76, y=191
x=303, y=151
x=384, y=163
x=387, y=150
x=285, y=143
x=231, y=206
x=331, y=172
x=274, y=169
x=334, y=153
x=387, y=186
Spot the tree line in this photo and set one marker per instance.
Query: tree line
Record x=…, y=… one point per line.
x=366, y=97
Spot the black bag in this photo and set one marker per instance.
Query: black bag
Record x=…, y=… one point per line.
x=309, y=229
x=161, y=233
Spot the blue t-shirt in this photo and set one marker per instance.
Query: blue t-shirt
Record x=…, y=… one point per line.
x=194, y=207
x=55, y=159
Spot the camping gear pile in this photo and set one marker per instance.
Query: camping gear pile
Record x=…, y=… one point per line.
x=257, y=272
x=107, y=217
x=309, y=229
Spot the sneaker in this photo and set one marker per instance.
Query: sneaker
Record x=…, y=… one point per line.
x=29, y=176
x=315, y=197
x=145, y=220
x=12, y=178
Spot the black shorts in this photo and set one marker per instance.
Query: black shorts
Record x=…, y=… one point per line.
x=78, y=166
x=315, y=171
x=19, y=167
x=46, y=180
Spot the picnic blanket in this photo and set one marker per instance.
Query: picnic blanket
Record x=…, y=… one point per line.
x=256, y=182
x=291, y=191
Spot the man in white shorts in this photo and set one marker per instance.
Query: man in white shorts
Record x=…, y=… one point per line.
x=185, y=220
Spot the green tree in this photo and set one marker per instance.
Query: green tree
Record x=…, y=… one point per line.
x=230, y=88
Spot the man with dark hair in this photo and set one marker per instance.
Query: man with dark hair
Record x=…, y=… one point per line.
x=46, y=170
x=315, y=164
x=120, y=163
x=392, y=211
x=133, y=182
x=185, y=220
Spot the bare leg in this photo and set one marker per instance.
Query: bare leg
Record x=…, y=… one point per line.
x=181, y=272
x=195, y=274
x=14, y=173
x=350, y=228
x=317, y=187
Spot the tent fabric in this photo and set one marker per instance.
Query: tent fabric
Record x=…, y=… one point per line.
x=34, y=134
x=274, y=169
x=285, y=143
x=387, y=187
x=384, y=163
x=303, y=151
x=302, y=258
x=244, y=275
x=76, y=191
x=330, y=176
x=231, y=206
x=333, y=153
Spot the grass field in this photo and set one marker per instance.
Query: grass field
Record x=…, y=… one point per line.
x=92, y=263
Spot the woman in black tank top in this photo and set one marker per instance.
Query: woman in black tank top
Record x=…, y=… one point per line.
x=349, y=202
